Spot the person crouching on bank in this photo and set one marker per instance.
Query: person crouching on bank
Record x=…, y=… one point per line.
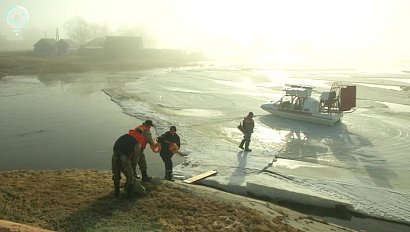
x=126, y=148
x=127, y=152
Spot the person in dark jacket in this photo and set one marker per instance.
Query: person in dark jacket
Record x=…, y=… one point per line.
x=170, y=144
x=248, y=125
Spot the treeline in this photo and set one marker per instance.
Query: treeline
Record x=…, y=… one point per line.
x=77, y=29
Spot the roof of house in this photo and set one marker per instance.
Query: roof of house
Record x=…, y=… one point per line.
x=123, y=41
x=97, y=42
x=67, y=42
x=45, y=41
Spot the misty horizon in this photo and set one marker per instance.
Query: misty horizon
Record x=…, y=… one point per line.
x=306, y=33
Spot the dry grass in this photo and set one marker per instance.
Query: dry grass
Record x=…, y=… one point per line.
x=81, y=200
x=25, y=63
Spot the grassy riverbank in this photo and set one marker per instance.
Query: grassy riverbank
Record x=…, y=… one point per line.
x=26, y=63
x=81, y=200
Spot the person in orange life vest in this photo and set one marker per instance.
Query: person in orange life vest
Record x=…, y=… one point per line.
x=144, y=132
x=170, y=144
x=125, y=149
x=248, y=125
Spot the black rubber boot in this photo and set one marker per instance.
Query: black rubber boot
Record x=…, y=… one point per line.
x=131, y=191
x=145, y=177
x=168, y=176
x=241, y=145
x=116, y=189
x=247, y=146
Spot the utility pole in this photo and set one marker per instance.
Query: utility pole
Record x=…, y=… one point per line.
x=57, y=35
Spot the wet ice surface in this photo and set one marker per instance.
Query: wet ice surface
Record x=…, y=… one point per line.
x=361, y=163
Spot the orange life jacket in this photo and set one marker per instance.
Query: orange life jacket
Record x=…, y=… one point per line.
x=138, y=134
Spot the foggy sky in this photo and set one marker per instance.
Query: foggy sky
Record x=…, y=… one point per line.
x=369, y=32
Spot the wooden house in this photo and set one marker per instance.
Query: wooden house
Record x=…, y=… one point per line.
x=123, y=46
x=93, y=47
x=45, y=47
x=66, y=46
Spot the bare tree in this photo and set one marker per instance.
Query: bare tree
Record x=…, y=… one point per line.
x=98, y=30
x=131, y=30
x=77, y=29
x=80, y=31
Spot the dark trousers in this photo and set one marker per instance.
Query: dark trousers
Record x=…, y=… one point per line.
x=246, y=140
x=141, y=161
x=167, y=158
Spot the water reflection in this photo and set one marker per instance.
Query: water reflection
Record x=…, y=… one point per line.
x=304, y=141
x=331, y=146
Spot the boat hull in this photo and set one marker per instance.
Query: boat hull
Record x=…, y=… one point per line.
x=318, y=118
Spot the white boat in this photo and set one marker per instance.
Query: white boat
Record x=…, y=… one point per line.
x=299, y=104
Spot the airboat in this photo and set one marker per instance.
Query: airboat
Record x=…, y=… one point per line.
x=328, y=108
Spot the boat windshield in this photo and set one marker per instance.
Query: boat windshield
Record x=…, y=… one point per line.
x=291, y=102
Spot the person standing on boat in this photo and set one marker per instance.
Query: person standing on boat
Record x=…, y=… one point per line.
x=170, y=144
x=248, y=125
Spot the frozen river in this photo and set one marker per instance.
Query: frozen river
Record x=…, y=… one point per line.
x=360, y=163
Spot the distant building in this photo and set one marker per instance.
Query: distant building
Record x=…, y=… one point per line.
x=66, y=46
x=93, y=47
x=45, y=47
x=123, y=46
x=95, y=43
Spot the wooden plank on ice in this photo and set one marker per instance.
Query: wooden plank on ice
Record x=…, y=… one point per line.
x=200, y=176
